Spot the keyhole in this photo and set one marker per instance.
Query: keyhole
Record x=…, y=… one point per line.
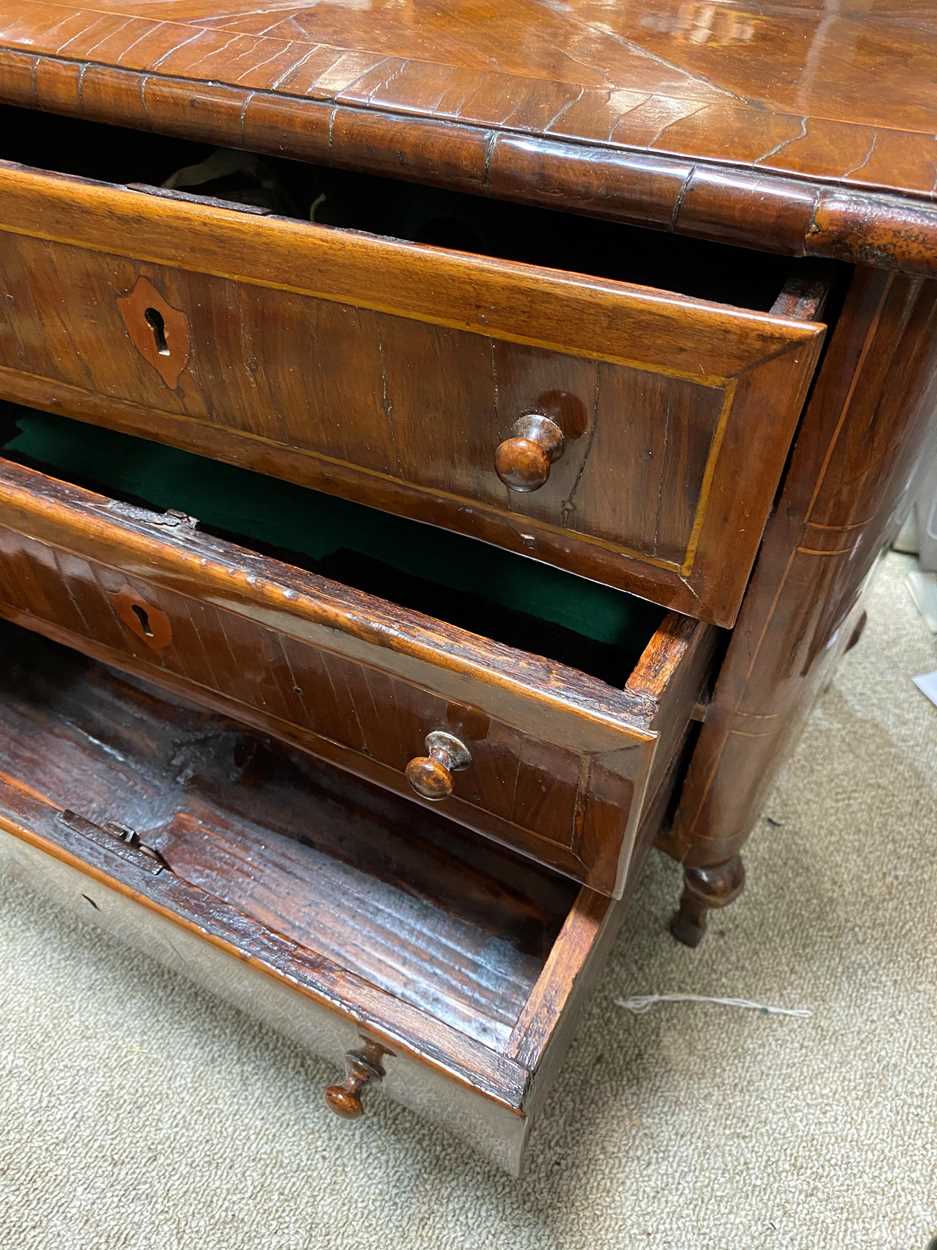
x=143, y=617
x=154, y=319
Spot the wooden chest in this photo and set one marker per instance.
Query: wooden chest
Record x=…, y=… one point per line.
x=408, y=516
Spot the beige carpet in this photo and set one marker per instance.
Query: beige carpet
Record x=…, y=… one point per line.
x=136, y=1112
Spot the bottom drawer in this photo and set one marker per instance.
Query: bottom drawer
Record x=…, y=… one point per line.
x=446, y=969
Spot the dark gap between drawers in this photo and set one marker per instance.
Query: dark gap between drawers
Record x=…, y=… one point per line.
x=494, y=593
x=398, y=209
x=398, y=895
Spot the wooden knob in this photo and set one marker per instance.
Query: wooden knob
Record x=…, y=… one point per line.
x=345, y=1099
x=430, y=775
x=523, y=461
x=361, y=1068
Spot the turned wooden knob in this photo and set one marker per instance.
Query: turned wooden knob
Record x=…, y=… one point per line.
x=430, y=775
x=523, y=461
x=361, y=1068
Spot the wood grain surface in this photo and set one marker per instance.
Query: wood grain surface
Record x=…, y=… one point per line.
x=723, y=117
x=868, y=437
x=366, y=877
x=90, y=748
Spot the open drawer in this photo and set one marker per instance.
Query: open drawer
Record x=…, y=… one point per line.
x=551, y=760
x=616, y=403
x=449, y=968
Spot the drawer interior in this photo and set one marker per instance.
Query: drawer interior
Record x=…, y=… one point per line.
x=480, y=588
x=397, y=209
x=397, y=895
x=349, y=914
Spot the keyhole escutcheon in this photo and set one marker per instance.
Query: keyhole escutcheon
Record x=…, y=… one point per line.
x=158, y=331
x=148, y=622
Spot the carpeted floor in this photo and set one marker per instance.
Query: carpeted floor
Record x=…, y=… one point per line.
x=136, y=1112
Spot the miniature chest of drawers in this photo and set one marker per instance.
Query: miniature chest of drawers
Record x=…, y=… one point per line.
x=440, y=461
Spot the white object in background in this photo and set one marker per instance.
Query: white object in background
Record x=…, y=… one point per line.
x=906, y=542
x=919, y=535
x=919, y=532
x=927, y=684
x=923, y=587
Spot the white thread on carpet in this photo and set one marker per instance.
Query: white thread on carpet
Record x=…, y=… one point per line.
x=640, y=1003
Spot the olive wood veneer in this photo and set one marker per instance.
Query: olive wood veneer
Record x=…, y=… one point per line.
x=867, y=438
x=714, y=455
x=793, y=128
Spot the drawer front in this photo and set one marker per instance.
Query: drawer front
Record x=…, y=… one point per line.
x=426, y=1066
x=439, y=385
x=556, y=763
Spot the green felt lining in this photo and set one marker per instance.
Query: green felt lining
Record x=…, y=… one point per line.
x=601, y=630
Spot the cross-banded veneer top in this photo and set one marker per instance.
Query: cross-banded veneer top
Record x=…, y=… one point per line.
x=800, y=99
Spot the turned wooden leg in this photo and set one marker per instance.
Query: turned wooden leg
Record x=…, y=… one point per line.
x=863, y=441
x=715, y=885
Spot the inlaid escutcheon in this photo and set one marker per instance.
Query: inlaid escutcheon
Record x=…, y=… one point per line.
x=159, y=332
x=149, y=623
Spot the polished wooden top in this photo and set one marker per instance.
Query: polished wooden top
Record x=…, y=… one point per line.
x=799, y=98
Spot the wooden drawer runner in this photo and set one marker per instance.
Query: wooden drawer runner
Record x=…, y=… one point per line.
x=558, y=763
x=405, y=376
x=338, y=913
